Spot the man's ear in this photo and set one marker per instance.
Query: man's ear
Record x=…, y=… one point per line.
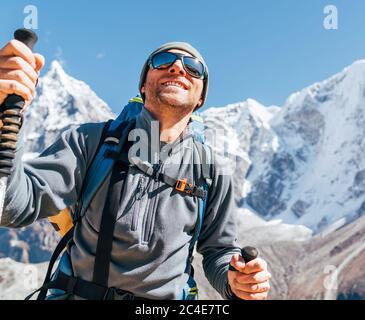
x=200, y=102
x=143, y=89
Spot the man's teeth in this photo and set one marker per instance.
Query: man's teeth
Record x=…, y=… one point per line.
x=176, y=84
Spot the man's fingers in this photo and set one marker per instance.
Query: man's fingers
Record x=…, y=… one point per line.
x=250, y=296
x=18, y=63
x=255, y=265
x=19, y=71
x=2, y=97
x=20, y=76
x=252, y=288
x=237, y=262
x=12, y=86
x=40, y=61
x=253, y=278
x=17, y=48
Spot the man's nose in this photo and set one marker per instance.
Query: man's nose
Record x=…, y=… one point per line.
x=177, y=67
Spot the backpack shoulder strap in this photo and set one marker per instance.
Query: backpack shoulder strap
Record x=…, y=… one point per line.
x=63, y=221
x=110, y=147
x=116, y=135
x=207, y=170
x=207, y=162
x=67, y=235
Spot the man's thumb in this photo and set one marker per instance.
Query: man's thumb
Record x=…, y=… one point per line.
x=237, y=262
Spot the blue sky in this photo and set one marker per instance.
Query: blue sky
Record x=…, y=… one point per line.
x=261, y=49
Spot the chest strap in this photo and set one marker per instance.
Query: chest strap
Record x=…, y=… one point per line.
x=180, y=185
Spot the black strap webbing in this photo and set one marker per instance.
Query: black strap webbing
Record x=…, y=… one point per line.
x=148, y=169
x=206, y=162
x=67, y=237
x=60, y=247
x=109, y=216
x=89, y=290
x=106, y=232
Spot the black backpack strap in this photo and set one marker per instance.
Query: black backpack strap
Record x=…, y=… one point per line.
x=106, y=232
x=207, y=162
x=208, y=173
x=109, y=214
x=56, y=253
x=89, y=290
x=68, y=236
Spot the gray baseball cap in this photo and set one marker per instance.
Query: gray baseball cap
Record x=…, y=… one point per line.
x=181, y=46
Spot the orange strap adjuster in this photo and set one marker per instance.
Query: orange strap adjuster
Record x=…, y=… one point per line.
x=181, y=185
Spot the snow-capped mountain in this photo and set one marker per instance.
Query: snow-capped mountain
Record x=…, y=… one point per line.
x=302, y=163
x=241, y=133
x=321, y=159
x=61, y=101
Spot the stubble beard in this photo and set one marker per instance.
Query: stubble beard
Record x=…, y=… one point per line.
x=170, y=101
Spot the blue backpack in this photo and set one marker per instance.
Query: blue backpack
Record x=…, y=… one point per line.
x=62, y=283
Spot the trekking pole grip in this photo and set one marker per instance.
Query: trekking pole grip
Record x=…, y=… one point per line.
x=248, y=254
x=28, y=37
x=10, y=113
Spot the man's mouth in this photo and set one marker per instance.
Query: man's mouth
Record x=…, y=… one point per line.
x=178, y=84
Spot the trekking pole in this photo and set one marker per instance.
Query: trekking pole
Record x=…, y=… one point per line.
x=11, y=121
x=248, y=254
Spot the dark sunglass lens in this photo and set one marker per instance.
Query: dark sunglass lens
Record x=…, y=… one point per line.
x=194, y=67
x=163, y=60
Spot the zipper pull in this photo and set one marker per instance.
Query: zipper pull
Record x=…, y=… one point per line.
x=157, y=170
x=139, y=188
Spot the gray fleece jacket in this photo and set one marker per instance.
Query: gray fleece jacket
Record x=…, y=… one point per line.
x=154, y=225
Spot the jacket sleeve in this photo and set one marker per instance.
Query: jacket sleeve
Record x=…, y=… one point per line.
x=41, y=187
x=218, y=239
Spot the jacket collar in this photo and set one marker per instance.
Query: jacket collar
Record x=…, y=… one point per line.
x=149, y=126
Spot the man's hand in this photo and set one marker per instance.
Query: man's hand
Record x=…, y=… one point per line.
x=251, y=280
x=19, y=71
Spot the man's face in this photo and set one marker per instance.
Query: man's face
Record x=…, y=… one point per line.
x=173, y=87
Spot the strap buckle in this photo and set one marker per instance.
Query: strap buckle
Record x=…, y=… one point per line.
x=181, y=185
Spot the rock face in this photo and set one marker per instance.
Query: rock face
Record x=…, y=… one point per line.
x=326, y=266
x=298, y=171
x=31, y=244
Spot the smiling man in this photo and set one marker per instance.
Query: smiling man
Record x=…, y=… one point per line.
x=154, y=223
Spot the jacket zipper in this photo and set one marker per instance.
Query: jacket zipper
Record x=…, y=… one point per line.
x=139, y=196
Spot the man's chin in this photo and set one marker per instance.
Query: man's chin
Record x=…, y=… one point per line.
x=173, y=99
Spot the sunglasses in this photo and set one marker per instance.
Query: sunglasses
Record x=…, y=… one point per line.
x=192, y=65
